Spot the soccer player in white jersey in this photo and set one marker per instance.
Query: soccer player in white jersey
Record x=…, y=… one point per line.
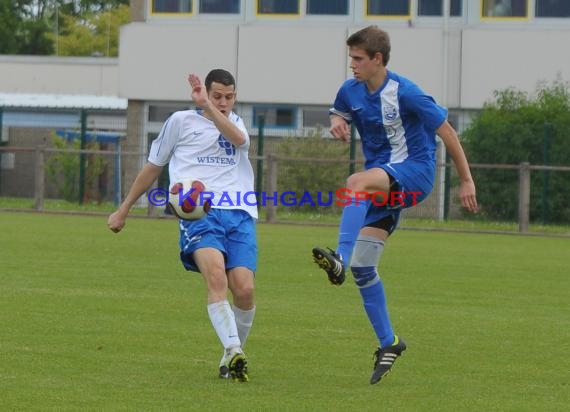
x=211, y=144
x=397, y=123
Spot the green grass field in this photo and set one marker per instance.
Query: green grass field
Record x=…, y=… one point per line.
x=91, y=320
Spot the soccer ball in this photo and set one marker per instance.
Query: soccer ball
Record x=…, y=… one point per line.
x=185, y=201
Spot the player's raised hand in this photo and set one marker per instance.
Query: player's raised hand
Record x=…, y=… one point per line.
x=339, y=128
x=199, y=93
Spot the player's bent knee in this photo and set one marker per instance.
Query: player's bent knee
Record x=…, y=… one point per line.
x=243, y=292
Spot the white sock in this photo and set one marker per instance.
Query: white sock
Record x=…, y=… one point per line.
x=224, y=323
x=244, y=320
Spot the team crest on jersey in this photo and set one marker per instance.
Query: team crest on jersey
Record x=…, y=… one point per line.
x=390, y=112
x=229, y=148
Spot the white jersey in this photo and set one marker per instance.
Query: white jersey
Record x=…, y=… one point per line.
x=194, y=147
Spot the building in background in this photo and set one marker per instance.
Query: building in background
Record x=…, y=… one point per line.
x=289, y=57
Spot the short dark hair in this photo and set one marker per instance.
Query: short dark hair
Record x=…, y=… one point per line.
x=219, y=76
x=372, y=40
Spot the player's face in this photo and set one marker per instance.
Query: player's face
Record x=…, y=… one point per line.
x=362, y=66
x=223, y=97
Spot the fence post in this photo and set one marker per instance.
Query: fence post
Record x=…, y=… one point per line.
x=447, y=186
x=352, y=151
x=524, y=196
x=39, y=178
x=260, y=141
x=545, y=173
x=118, y=172
x=271, y=207
x=82, y=156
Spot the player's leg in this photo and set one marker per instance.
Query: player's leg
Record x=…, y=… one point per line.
x=241, y=284
x=365, y=260
x=360, y=185
x=241, y=263
x=240, y=281
x=202, y=249
x=211, y=263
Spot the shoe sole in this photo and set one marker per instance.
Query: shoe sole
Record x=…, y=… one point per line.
x=238, y=368
x=324, y=263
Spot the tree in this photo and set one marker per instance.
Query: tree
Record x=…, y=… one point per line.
x=9, y=23
x=24, y=24
x=32, y=26
x=95, y=34
x=515, y=128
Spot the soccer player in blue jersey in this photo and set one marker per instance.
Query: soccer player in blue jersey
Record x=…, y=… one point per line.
x=397, y=123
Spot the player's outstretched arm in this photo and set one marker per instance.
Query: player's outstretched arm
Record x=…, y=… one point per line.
x=143, y=181
x=467, y=192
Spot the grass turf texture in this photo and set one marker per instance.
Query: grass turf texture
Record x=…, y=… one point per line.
x=92, y=320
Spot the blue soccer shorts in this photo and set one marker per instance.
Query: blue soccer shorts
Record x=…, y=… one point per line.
x=412, y=183
x=231, y=231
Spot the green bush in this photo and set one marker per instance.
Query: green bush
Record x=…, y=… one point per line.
x=515, y=128
x=322, y=168
x=63, y=168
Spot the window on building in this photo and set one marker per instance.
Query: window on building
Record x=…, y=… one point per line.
x=334, y=7
x=278, y=6
x=552, y=8
x=435, y=8
x=172, y=6
x=316, y=116
x=275, y=116
x=388, y=8
x=505, y=8
x=220, y=6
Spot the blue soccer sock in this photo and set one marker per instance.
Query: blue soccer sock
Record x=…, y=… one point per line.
x=374, y=300
x=351, y=222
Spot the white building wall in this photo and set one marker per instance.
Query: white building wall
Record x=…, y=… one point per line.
x=94, y=76
x=306, y=65
x=298, y=65
x=497, y=59
x=154, y=60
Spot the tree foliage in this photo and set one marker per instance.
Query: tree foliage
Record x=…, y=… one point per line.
x=95, y=34
x=9, y=23
x=517, y=127
x=39, y=27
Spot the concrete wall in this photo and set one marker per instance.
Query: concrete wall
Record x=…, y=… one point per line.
x=497, y=59
x=60, y=75
x=306, y=64
x=297, y=65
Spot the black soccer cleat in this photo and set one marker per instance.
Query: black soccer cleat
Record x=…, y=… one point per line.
x=384, y=360
x=331, y=263
x=238, y=367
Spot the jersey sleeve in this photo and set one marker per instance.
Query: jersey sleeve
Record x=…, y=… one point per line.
x=241, y=126
x=424, y=106
x=341, y=106
x=163, y=146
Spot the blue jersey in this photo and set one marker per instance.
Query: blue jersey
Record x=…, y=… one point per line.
x=396, y=123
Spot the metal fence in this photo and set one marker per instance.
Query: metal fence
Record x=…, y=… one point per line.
x=287, y=184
